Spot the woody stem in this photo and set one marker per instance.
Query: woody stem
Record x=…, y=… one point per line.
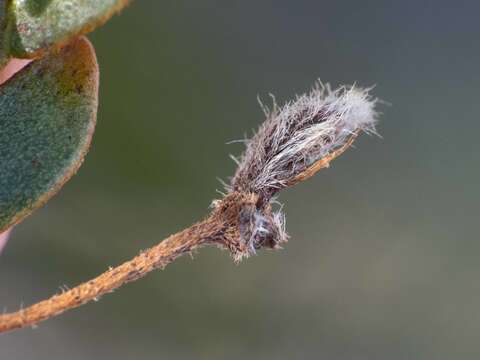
x=156, y=257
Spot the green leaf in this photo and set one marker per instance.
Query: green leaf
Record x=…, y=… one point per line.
x=47, y=119
x=34, y=25
x=3, y=25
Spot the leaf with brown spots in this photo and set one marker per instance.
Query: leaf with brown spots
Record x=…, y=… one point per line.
x=47, y=119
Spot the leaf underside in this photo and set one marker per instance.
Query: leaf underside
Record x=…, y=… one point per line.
x=28, y=27
x=47, y=119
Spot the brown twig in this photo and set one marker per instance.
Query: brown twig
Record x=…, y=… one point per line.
x=293, y=143
x=156, y=257
x=220, y=228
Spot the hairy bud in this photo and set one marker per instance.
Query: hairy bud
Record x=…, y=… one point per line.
x=294, y=142
x=298, y=135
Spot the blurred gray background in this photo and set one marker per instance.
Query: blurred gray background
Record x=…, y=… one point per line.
x=382, y=261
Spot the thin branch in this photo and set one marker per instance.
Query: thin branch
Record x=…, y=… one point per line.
x=156, y=257
x=221, y=228
x=293, y=143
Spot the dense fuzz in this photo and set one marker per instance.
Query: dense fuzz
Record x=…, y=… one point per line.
x=294, y=142
x=301, y=133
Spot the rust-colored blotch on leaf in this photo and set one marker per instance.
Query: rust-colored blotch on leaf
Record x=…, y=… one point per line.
x=47, y=119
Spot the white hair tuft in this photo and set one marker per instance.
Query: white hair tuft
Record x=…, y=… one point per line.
x=302, y=132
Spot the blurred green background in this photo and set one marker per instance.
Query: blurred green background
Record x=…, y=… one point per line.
x=382, y=261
